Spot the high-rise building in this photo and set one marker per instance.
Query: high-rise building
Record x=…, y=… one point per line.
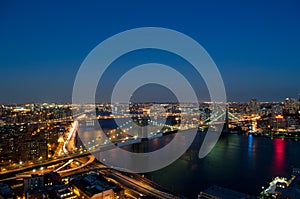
x=277, y=109
x=253, y=107
x=34, y=150
x=33, y=182
x=291, y=106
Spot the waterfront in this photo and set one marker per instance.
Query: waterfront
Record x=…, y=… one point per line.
x=239, y=162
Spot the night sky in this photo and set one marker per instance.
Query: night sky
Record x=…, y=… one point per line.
x=255, y=44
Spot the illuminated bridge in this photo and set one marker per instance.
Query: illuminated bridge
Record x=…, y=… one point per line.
x=127, y=132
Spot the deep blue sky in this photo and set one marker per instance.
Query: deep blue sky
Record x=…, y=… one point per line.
x=255, y=44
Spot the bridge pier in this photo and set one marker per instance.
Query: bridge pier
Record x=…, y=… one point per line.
x=141, y=147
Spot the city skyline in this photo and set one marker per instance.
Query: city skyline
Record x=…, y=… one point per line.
x=149, y=99
x=255, y=44
x=42, y=140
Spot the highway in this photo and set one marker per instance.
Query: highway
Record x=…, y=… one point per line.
x=42, y=169
x=11, y=173
x=130, y=181
x=69, y=144
x=141, y=187
x=91, y=159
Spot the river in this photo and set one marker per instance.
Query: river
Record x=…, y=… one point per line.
x=239, y=162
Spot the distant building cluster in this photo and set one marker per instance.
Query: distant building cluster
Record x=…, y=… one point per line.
x=30, y=132
x=272, y=118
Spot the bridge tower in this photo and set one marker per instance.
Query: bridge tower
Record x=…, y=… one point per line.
x=226, y=124
x=141, y=131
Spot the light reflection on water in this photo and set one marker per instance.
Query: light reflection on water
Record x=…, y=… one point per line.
x=237, y=162
x=279, y=154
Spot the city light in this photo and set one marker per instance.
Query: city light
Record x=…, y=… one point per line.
x=279, y=117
